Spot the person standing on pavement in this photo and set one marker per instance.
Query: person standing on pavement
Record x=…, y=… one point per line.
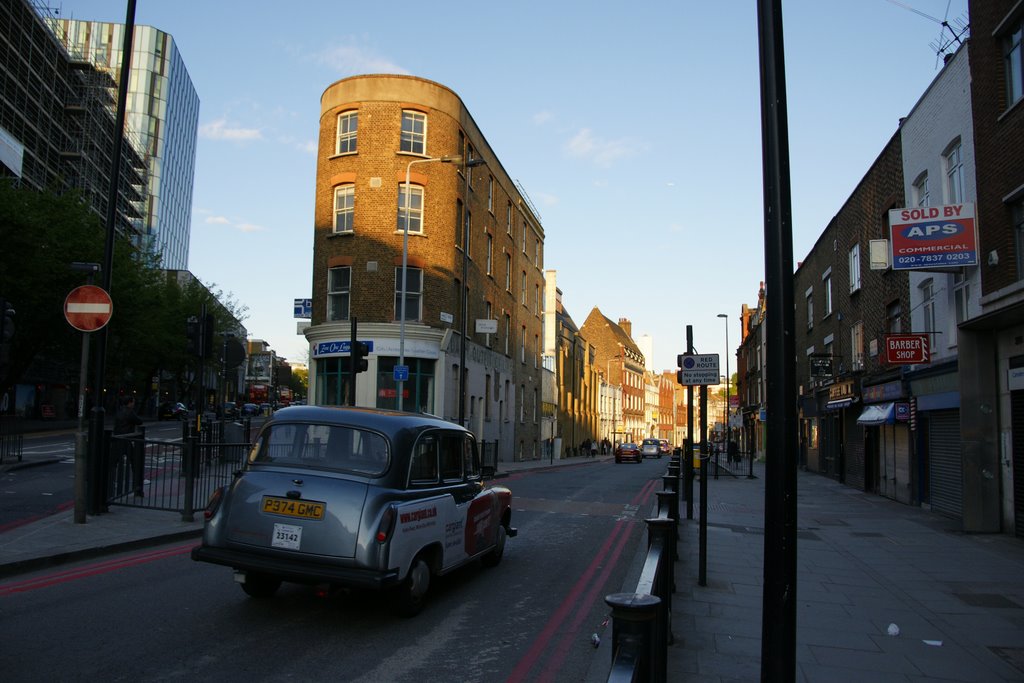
x=125, y=422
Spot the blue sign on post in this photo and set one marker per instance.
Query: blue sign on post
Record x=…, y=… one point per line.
x=401, y=373
x=303, y=308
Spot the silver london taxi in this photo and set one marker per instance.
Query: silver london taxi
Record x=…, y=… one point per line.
x=358, y=498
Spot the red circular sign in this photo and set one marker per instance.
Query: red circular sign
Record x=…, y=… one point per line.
x=88, y=308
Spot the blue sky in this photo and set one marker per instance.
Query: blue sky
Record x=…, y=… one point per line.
x=635, y=133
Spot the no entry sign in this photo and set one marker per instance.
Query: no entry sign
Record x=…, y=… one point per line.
x=88, y=308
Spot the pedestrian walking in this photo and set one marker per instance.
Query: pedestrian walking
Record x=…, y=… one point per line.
x=125, y=422
x=593, y=448
x=733, y=452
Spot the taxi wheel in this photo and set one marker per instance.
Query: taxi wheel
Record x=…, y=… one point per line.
x=410, y=596
x=493, y=558
x=260, y=585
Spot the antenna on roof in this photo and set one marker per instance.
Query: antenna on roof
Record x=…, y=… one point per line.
x=944, y=45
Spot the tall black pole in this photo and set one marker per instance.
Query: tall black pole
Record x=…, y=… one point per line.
x=705, y=462
x=778, y=623
x=689, y=441
x=97, y=470
x=352, y=359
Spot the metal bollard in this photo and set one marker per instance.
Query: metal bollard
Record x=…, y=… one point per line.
x=633, y=623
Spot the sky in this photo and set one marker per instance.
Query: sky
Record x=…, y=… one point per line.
x=636, y=134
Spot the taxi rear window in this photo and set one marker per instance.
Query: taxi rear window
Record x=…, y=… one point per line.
x=322, y=446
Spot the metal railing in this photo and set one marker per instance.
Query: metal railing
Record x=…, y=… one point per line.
x=176, y=476
x=642, y=620
x=11, y=438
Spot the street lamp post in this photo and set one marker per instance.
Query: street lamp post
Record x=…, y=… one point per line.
x=405, y=262
x=469, y=165
x=728, y=379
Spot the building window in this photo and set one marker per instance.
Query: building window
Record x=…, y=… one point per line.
x=826, y=283
x=920, y=190
x=417, y=391
x=536, y=299
x=460, y=235
x=954, y=174
x=536, y=253
x=928, y=305
x=854, y=261
x=490, y=254
x=508, y=334
x=1017, y=212
x=961, y=295
x=522, y=346
x=1013, y=65
x=508, y=273
x=522, y=240
x=339, y=284
x=522, y=289
x=413, y=293
x=411, y=208
x=467, y=229
x=414, y=132
x=490, y=193
x=809, y=297
x=536, y=351
x=857, y=346
x=344, y=208
x=348, y=125
x=892, y=317
x=508, y=218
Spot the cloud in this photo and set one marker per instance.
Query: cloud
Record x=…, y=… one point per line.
x=240, y=226
x=542, y=117
x=601, y=152
x=220, y=130
x=352, y=60
x=546, y=199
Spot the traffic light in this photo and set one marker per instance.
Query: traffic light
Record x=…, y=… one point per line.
x=360, y=350
x=679, y=372
x=193, y=339
x=207, y=348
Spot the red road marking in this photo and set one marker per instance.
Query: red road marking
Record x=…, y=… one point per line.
x=86, y=571
x=619, y=535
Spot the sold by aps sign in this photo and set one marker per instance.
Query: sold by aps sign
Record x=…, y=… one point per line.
x=933, y=236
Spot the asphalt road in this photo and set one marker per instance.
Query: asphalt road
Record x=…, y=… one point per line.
x=156, y=615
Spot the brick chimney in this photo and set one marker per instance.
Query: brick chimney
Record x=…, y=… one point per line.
x=626, y=326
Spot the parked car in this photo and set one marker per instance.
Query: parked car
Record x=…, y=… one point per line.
x=650, y=448
x=627, y=451
x=665, y=447
x=172, y=411
x=229, y=410
x=356, y=498
x=250, y=409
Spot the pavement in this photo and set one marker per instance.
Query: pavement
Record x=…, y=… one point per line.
x=885, y=591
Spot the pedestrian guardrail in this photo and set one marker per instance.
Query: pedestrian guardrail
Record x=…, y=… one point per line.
x=11, y=438
x=641, y=621
x=177, y=475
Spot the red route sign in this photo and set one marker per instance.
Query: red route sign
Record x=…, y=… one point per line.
x=906, y=349
x=88, y=308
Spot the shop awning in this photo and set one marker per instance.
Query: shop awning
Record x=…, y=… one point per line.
x=840, y=403
x=878, y=414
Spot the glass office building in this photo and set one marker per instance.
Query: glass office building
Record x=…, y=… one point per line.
x=162, y=115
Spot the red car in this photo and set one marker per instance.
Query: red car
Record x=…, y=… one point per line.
x=627, y=451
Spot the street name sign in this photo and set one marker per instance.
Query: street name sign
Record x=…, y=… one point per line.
x=699, y=369
x=88, y=308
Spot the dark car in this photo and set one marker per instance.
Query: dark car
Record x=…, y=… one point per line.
x=356, y=498
x=665, y=447
x=650, y=448
x=627, y=451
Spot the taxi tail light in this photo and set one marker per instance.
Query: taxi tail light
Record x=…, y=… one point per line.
x=213, y=503
x=387, y=524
